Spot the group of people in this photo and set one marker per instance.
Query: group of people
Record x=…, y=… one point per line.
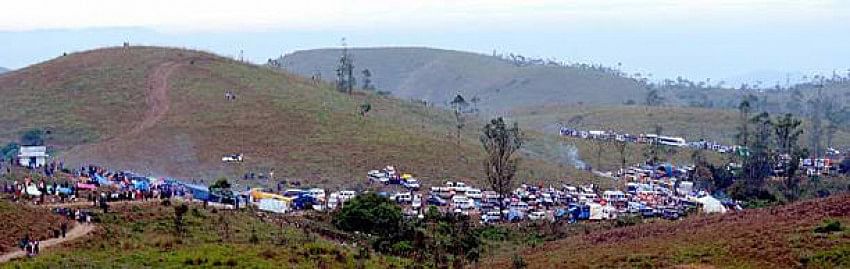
x=230, y=96
x=30, y=246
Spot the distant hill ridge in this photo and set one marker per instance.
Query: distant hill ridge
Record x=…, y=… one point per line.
x=437, y=75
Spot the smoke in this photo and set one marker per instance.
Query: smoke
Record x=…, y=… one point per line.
x=553, y=148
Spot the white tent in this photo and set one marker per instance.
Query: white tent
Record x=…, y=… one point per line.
x=710, y=204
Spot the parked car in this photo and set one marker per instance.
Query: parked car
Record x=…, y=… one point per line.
x=462, y=202
x=537, y=215
x=436, y=200
x=232, y=158
x=403, y=198
x=410, y=184
x=491, y=217
x=474, y=193
x=344, y=196
x=417, y=201
x=316, y=193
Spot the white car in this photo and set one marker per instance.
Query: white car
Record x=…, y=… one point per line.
x=417, y=201
x=491, y=217
x=316, y=193
x=403, y=198
x=462, y=202
x=344, y=196
x=410, y=184
x=474, y=193
x=232, y=158
x=537, y=215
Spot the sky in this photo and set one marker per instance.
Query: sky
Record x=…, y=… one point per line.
x=696, y=39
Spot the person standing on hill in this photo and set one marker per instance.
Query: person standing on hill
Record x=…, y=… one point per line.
x=64, y=228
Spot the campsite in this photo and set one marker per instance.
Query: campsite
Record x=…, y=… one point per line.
x=425, y=134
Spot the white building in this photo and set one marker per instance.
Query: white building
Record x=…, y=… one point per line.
x=33, y=156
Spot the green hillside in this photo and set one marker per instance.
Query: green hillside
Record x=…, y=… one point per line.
x=688, y=122
x=164, y=112
x=437, y=75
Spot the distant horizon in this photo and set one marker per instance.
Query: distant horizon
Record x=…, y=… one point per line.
x=698, y=39
x=733, y=80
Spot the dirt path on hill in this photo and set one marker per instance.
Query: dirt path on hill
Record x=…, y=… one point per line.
x=157, y=96
x=77, y=231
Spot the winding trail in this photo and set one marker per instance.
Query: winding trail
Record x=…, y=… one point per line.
x=157, y=96
x=76, y=232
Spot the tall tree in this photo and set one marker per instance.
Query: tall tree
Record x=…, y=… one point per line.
x=459, y=105
x=367, y=80
x=653, y=150
x=816, y=105
x=757, y=166
x=653, y=97
x=787, y=130
x=744, y=110
x=500, y=142
x=345, y=71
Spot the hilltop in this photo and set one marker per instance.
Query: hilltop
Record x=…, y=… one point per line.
x=3, y=70
x=163, y=112
x=437, y=75
x=808, y=234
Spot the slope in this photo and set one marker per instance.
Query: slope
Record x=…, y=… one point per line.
x=437, y=75
x=163, y=112
x=803, y=234
x=3, y=70
x=692, y=123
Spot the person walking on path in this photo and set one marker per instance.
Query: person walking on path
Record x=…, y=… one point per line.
x=64, y=228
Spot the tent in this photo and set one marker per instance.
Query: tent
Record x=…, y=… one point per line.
x=199, y=192
x=273, y=205
x=710, y=204
x=33, y=190
x=596, y=211
x=85, y=186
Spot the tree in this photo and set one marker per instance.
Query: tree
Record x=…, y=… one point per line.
x=757, y=166
x=33, y=137
x=345, y=71
x=179, y=212
x=500, y=142
x=459, y=105
x=367, y=80
x=817, y=111
x=653, y=150
x=744, y=110
x=787, y=130
x=654, y=98
x=369, y=213
x=221, y=184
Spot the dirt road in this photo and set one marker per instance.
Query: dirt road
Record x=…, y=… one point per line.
x=157, y=96
x=78, y=231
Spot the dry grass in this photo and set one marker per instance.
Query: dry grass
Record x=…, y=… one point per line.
x=91, y=101
x=781, y=237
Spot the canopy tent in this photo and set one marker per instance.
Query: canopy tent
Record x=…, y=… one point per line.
x=710, y=204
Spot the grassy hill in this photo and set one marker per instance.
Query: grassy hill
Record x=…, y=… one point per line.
x=437, y=75
x=803, y=235
x=689, y=122
x=144, y=236
x=163, y=111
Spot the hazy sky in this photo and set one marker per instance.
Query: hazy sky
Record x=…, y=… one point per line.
x=694, y=38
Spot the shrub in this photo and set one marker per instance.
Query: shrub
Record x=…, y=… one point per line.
x=829, y=226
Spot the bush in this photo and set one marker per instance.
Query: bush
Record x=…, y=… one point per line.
x=829, y=226
x=369, y=213
x=627, y=220
x=402, y=248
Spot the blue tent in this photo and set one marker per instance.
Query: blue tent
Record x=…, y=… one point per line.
x=101, y=180
x=199, y=192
